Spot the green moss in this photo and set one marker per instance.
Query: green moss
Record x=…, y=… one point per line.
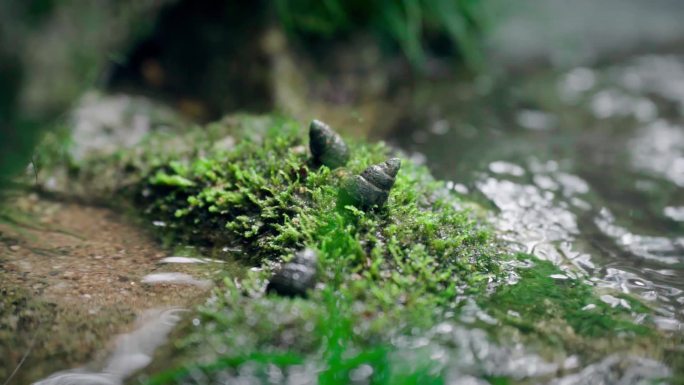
x=324, y=332
x=163, y=179
x=266, y=197
x=539, y=297
x=387, y=272
x=391, y=272
x=382, y=272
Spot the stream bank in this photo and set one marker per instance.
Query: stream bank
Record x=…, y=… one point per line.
x=574, y=276
x=74, y=278
x=402, y=284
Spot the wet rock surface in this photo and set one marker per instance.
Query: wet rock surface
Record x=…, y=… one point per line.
x=132, y=351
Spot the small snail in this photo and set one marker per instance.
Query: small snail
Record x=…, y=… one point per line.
x=327, y=147
x=373, y=185
x=295, y=277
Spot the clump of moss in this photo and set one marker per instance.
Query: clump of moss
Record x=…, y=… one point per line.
x=387, y=272
x=248, y=185
x=267, y=198
x=322, y=338
x=383, y=271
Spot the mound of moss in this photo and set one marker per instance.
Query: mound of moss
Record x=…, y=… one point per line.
x=382, y=272
x=267, y=199
x=246, y=189
x=390, y=272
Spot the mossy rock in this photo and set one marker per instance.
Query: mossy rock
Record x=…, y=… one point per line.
x=388, y=274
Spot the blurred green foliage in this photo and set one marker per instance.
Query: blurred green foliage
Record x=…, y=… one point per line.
x=38, y=84
x=50, y=52
x=407, y=23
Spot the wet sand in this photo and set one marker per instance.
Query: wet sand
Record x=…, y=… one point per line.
x=72, y=279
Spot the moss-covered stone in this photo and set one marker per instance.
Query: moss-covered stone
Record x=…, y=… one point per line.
x=267, y=198
x=394, y=271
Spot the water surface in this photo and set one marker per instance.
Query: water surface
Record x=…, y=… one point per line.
x=584, y=168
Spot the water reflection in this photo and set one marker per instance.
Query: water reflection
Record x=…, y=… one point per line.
x=132, y=352
x=658, y=147
x=615, y=369
x=590, y=177
x=175, y=278
x=657, y=250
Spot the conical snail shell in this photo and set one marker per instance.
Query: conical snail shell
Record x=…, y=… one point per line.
x=295, y=277
x=327, y=147
x=373, y=185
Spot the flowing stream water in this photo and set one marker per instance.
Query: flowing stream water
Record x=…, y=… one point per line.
x=583, y=168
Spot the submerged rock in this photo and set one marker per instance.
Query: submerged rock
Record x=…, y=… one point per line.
x=327, y=147
x=373, y=185
x=296, y=276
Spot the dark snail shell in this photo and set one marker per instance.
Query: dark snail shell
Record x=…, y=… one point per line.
x=327, y=147
x=373, y=185
x=295, y=277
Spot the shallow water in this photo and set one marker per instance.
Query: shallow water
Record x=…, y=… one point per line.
x=584, y=168
x=132, y=352
x=74, y=278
